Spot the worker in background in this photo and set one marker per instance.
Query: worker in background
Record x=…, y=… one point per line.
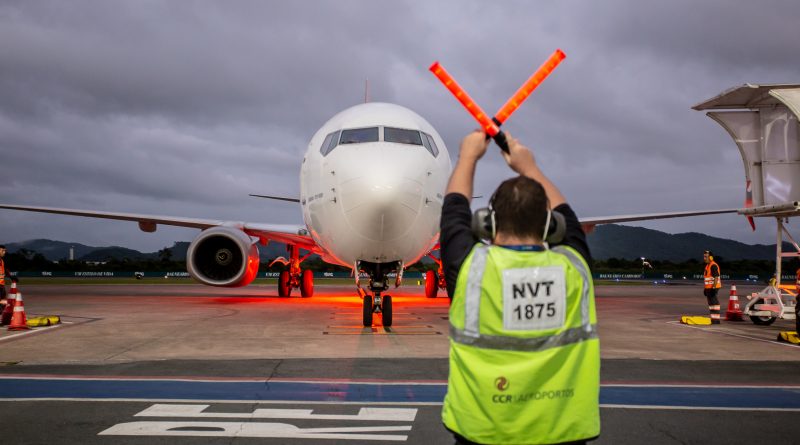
x=711, y=285
x=2, y=276
x=524, y=349
x=797, y=302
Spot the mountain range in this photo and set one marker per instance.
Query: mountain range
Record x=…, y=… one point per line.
x=607, y=241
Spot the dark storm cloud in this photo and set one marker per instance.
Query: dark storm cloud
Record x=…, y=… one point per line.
x=186, y=107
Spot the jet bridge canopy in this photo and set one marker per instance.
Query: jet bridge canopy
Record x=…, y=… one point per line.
x=763, y=122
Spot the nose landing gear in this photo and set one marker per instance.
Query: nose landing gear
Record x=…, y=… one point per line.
x=376, y=303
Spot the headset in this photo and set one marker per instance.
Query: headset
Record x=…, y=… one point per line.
x=484, y=224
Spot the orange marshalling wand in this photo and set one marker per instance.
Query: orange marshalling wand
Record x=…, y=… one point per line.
x=492, y=125
x=527, y=88
x=486, y=122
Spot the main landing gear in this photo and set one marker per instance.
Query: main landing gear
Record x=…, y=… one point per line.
x=295, y=277
x=376, y=303
x=434, y=280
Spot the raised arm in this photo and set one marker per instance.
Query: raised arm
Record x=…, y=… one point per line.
x=472, y=149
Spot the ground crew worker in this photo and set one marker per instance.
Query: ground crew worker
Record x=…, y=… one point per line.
x=797, y=302
x=711, y=285
x=2, y=276
x=524, y=351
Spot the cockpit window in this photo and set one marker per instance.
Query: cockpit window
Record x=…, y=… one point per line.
x=427, y=140
x=324, y=148
x=359, y=135
x=329, y=143
x=401, y=136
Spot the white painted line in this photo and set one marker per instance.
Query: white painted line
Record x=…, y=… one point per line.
x=715, y=331
x=364, y=414
x=693, y=385
x=696, y=408
x=252, y=429
x=259, y=401
x=219, y=380
x=33, y=331
x=293, y=402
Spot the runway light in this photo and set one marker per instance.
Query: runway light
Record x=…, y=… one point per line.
x=527, y=88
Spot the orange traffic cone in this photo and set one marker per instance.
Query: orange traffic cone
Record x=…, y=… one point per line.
x=18, y=320
x=734, y=312
x=5, y=318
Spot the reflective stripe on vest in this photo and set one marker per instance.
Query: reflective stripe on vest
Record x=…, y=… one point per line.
x=709, y=281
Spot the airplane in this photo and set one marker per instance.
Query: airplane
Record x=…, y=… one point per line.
x=371, y=190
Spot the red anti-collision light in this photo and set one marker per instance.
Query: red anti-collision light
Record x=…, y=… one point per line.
x=527, y=88
x=485, y=121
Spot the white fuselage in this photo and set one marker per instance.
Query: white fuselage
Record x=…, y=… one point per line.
x=377, y=194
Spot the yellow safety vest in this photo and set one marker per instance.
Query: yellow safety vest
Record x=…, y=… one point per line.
x=709, y=281
x=524, y=349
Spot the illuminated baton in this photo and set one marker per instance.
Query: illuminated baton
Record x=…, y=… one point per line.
x=488, y=125
x=492, y=126
x=527, y=88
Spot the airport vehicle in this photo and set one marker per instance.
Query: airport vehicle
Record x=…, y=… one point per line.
x=371, y=186
x=763, y=122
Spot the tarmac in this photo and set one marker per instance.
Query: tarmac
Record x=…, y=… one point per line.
x=184, y=363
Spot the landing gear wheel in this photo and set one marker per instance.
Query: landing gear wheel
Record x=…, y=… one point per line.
x=307, y=284
x=367, y=311
x=284, y=285
x=386, y=310
x=431, y=284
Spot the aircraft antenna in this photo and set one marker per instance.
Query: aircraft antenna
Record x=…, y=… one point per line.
x=366, y=90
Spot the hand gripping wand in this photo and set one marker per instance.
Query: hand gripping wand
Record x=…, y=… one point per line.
x=492, y=125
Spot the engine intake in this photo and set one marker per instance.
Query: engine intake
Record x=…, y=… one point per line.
x=223, y=256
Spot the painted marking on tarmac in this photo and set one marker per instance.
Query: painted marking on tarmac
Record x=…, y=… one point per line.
x=253, y=429
x=365, y=414
x=197, y=428
x=33, y=331
x=731, y=334
x=647, y=396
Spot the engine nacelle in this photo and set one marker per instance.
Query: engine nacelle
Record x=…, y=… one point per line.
x=223, y=256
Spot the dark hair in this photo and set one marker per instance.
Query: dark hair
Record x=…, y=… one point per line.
x=520, y=206
x=2, y=246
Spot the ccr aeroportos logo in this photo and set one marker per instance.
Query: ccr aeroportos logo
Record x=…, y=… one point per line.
x=501, y=383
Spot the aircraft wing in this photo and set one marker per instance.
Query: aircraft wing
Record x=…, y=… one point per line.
x=593, y=221
x=283, y=233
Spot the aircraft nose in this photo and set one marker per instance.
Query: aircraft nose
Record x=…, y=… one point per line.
x=383, y=203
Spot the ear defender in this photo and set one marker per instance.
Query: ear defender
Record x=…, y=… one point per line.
x=483, y=224
x=555, y=228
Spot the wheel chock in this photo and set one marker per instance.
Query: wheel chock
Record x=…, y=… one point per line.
x=36, y=322
x=695, y=320
x=789, y=337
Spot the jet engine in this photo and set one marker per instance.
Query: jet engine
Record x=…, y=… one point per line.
x=222, y=256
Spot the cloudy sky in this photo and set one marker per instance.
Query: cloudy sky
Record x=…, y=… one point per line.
x=183, y=108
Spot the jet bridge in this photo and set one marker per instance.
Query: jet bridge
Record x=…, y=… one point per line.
x=763, y=122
